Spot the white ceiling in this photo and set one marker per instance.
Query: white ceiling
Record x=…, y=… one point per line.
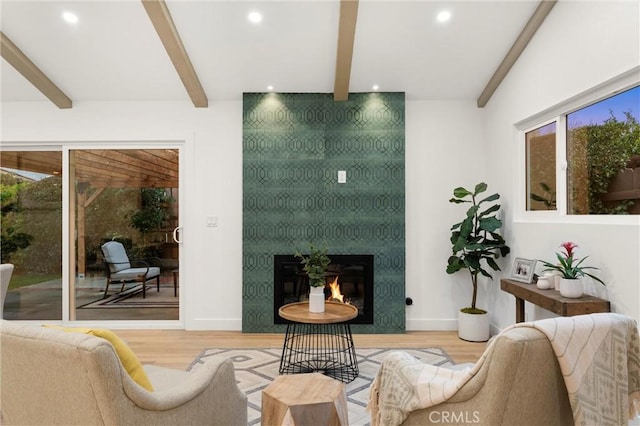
x=114, y=54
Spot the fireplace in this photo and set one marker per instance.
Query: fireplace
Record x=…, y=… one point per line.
x=352, y=274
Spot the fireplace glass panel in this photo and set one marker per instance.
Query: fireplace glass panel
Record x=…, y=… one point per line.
x=350, y=275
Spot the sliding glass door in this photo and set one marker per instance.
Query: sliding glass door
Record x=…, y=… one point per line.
x=128, y=196
x=31, y=233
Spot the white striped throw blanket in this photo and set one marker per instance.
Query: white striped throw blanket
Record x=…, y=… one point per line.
x=598, y=354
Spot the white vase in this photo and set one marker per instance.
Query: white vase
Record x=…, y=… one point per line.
x=571, y=288
x=473, y=327
x=316, y=299
x=543, y=283
x=554, y=279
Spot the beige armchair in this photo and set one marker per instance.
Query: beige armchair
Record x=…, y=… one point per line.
x=51, y=377
x=559, y=371
x=519, y=383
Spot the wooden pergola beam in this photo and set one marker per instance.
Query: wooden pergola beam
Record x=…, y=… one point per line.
x=18, y=60
x=346, y=38
x=163, y=23
x=517, y=48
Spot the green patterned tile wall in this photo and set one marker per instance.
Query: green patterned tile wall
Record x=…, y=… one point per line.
x=293, y=147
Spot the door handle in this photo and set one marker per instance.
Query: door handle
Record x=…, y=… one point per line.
x=177, y=230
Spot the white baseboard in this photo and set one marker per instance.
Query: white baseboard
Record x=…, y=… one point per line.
x=432, y=324
x=214, y=324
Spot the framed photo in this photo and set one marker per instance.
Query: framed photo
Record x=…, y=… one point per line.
x=523, y=270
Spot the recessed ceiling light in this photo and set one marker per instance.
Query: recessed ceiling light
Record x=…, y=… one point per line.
x=270, y=88
x=444, y=16
x=70, y=17
x=255, y=17
x=376, y=87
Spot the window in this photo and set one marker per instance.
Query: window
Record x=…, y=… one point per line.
x=599, y=149
x=541, y=168
x=603, y=154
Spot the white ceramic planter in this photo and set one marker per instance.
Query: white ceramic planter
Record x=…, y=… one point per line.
x=473, y=327
x=571, y=288
x=316, y=299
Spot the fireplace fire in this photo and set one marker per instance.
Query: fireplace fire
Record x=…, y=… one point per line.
x=349, y=280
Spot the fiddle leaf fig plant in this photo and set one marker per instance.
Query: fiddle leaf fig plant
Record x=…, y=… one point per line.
x=475, y=241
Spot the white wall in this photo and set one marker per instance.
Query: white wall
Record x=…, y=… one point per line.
x=444, y=149
x=448, y=144
x=211, y=267
x=579, y=46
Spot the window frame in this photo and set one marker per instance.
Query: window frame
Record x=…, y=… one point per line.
x=558, y=114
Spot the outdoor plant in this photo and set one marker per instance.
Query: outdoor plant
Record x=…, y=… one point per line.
x=153, y=211
x=599, y=152
x=569, y=266
x=315, y=265
x=548, y=197
x=476, y=242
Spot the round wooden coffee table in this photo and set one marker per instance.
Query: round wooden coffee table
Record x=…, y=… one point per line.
x=319, y=342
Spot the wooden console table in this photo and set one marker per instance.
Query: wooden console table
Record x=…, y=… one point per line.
x=551, y=300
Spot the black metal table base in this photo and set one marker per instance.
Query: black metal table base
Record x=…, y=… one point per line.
x=320, y=348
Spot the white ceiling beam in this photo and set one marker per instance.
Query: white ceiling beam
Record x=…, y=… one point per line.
x=346, y=37
x=517, y=48
x=18, y=60
x=166, y=29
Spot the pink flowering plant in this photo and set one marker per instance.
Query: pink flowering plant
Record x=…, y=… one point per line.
x=568, y=265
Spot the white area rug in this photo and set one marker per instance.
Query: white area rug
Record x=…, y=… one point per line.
x=256, y=368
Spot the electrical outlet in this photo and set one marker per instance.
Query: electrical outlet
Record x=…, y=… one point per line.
x=212, y=221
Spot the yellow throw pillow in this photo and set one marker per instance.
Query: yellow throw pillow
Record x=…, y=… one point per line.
x=128, y=359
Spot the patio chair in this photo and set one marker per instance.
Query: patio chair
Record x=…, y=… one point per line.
x=121, y=270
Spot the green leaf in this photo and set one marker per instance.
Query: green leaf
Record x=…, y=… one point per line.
x=595, y=278
x=493, y=264
x=454, y=237
x=536, y=197
x=490, y=198
x=459, y=244
x=481, y=187
x=467, y=227
x=490, y=210
x=457, y=201
x=475, y=247
x=472, y=211
x=454, y=264
x=472, y=262
x=490, y=224
x=485, y=273
x=461, y=192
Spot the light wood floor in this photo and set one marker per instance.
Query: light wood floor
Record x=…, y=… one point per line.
x=177, y=348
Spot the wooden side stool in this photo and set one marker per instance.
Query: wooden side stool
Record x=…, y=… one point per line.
x=311, y=399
